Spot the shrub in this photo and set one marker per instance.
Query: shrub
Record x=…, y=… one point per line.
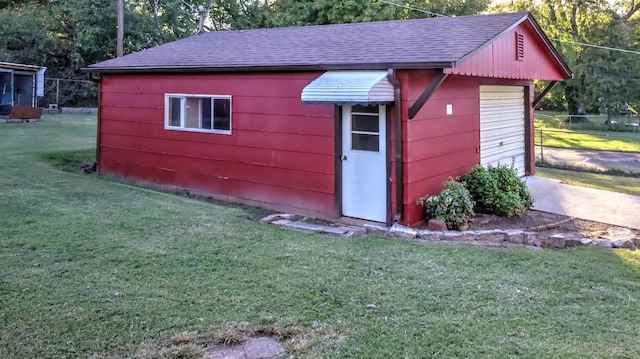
x=453, y=205
x=509, y=182
x=508, y=204
x=497, y=190
x=483, y=187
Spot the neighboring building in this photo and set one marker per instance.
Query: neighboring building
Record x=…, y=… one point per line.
x=20, y=85
x=305, y=119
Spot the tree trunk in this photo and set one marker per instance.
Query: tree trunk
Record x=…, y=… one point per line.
x=575, y=107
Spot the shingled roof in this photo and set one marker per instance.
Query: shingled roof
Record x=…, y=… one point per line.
x=421, y=43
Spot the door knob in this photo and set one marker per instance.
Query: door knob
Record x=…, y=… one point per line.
x=343, y=158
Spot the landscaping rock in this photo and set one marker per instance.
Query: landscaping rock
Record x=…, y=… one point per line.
x=428, y=235
x=491, y=236
x=353, y=232
x=515, y=236
x=554, y=241
x=586, y=242
x=623, y=243
x=342, y=231
x=532, y=239
x=451, y=236
x=603, y=243
x=401, y=231
x=468, y=236
x=309, y=227
x=281, y=222
x=436, y=225
x=572, y=242
x=613, y=238
x=278, y=216
x=374, y=228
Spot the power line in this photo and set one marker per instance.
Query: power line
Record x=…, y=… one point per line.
x=560, y=40
x=598, y=46
x=412, y=8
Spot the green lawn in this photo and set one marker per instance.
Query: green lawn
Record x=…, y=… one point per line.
x=93, y=268
x=552, y=128
x=621, y=184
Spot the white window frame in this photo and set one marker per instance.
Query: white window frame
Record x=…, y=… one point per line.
x=183, y=98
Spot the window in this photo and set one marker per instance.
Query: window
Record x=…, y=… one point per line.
x=365, y=133
x=200, y=113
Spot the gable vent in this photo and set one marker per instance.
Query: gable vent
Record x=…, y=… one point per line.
x=519, y=47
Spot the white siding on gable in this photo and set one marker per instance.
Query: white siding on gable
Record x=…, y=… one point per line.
x=502, y=127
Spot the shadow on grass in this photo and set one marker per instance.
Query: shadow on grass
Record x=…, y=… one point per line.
x=70, y=161
x=74, y=161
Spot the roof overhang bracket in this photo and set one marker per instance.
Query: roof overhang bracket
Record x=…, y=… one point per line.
x=541, y=95
x=426, y=94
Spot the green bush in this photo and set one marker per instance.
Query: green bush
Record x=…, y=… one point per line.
x=509, y=182
x=483, y=187
x=497, y=190
x=508, y=204
x=453, y=205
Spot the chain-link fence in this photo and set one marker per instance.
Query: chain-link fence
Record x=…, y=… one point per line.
x=602, y=151
x=60, y=93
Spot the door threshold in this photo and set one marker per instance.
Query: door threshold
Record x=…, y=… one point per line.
x=359, y=222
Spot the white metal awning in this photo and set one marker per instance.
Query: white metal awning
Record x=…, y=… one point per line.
x=349, y=87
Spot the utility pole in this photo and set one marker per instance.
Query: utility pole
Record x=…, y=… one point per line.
x=120, y=28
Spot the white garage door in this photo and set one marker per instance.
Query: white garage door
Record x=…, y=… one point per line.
x=502, y=126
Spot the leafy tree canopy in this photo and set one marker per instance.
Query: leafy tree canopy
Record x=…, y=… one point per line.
x=66, y=35
x=604, y=80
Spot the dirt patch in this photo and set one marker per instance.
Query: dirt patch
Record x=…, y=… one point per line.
x=537, y=221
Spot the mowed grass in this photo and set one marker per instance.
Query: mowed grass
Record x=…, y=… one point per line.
x=94, y=268
x=552, y=130
x=621, y=184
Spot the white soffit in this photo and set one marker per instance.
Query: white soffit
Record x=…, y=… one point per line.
x=349, y=87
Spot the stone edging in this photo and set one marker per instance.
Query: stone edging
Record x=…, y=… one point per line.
x=511, y=237
x=532, y=238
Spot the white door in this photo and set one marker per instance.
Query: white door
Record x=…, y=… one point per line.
x=502, y=126
x=364, y=170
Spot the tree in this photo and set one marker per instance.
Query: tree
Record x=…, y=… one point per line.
x=321, y=12
x=67, y=35
x=603, y=79
x=239, y=14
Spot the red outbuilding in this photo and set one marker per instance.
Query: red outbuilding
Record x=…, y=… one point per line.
x=353, y=120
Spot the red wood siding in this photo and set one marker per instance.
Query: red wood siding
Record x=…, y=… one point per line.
x=280, y=152
x=436, y=145
x=499, y=59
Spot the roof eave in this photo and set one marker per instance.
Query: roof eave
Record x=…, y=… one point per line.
x=279, y=68
x=22, y=67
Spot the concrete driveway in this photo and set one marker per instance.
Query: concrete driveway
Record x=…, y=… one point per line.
x=553, y=196
x=599, y=160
